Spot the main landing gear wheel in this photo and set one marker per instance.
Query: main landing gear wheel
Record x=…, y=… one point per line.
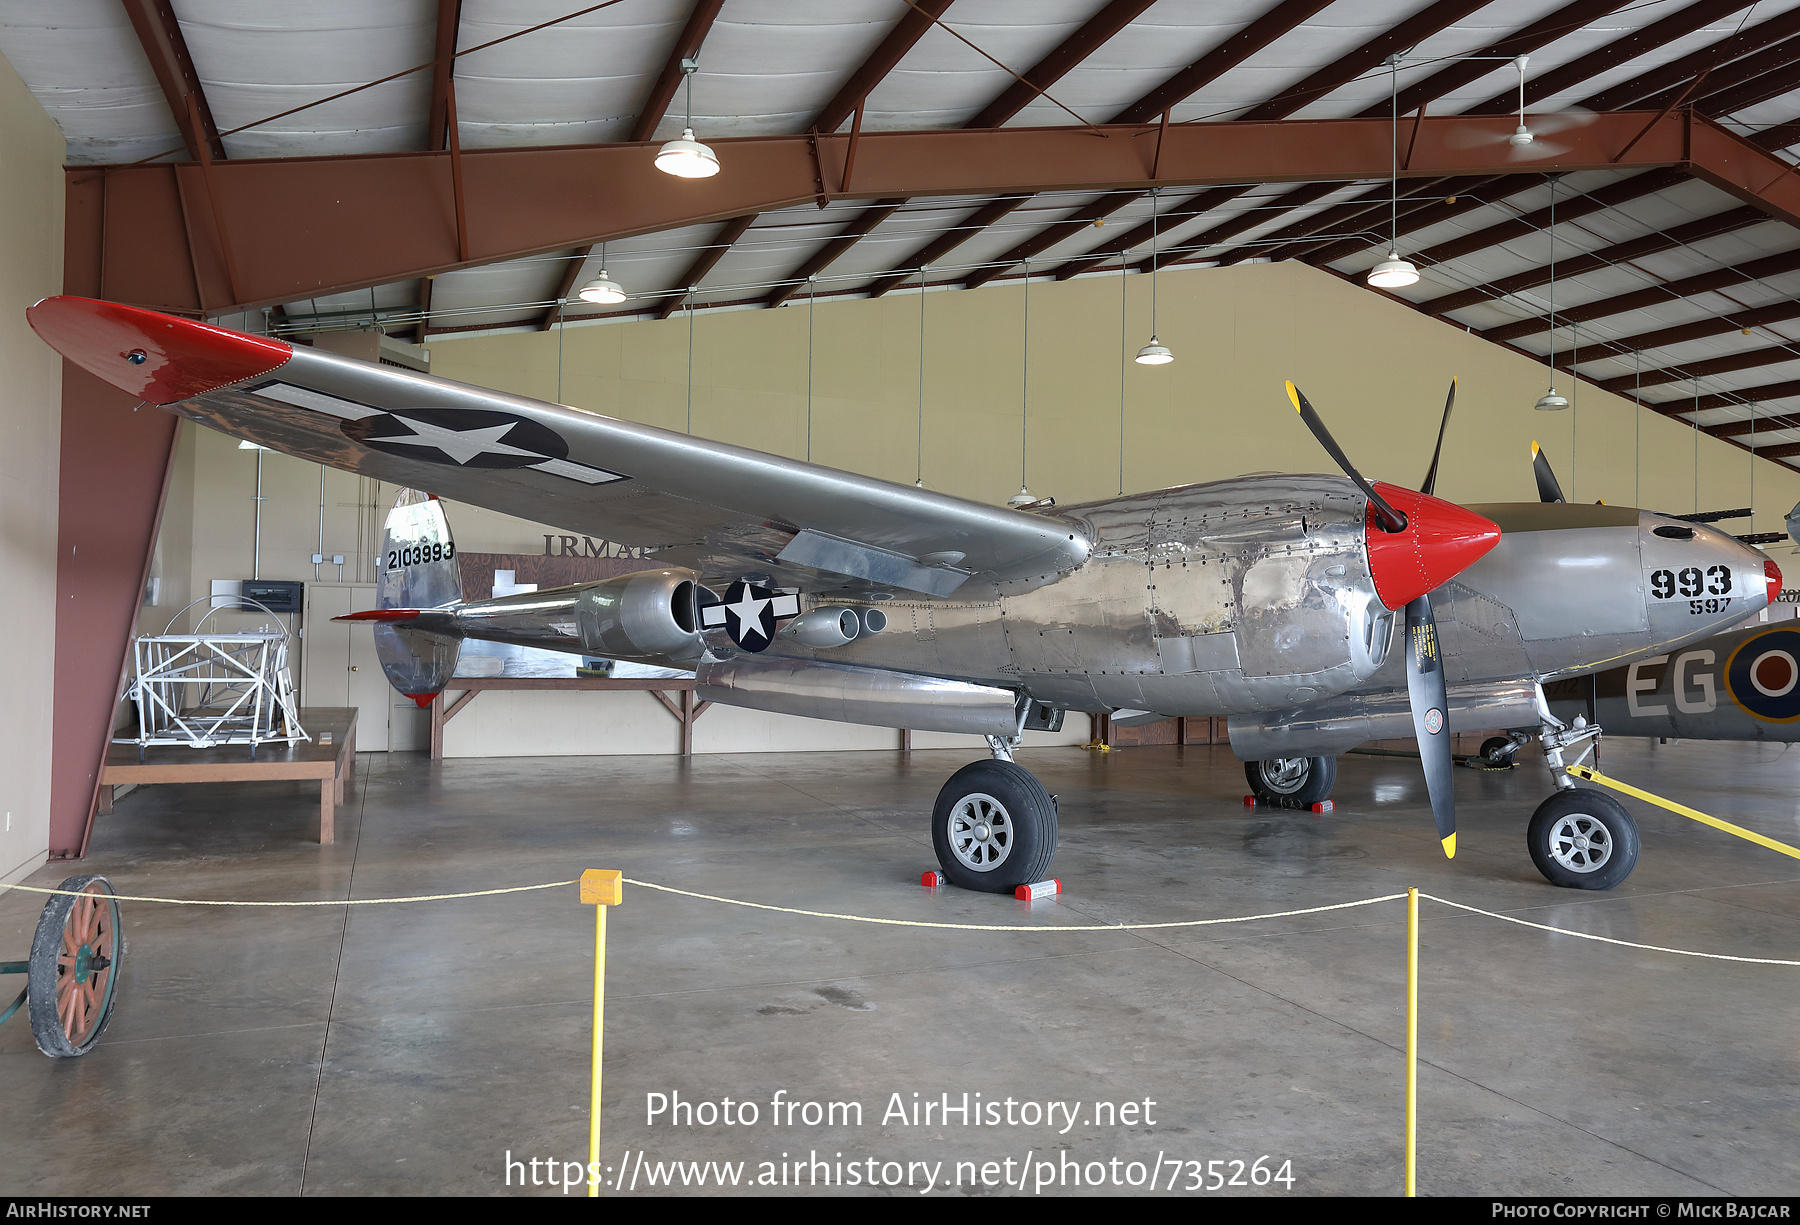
x=1301, y=781
x=1583, y=839
x=994, y=827
x=74, y=967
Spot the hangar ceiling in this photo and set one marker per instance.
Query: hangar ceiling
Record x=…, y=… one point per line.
x=1673, y=282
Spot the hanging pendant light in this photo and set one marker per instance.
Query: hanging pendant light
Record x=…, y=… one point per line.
x=1550, y=402
x=1022, y=498
x=1393, y=272
x=1155, y=353
x=602, y=289
x=685, y=157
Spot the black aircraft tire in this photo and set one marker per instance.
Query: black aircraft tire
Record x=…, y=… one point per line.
x=1583, y=839
x=1292, y=780
x=1498, y=751
x=994, y=827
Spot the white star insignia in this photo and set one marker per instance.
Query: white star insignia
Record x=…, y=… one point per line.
x=748, y=611
x=460, y=445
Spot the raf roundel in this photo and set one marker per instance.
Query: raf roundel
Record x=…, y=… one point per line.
x=1763, y=676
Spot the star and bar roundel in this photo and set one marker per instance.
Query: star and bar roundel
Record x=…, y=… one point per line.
x=748, y=614
x=456, y=437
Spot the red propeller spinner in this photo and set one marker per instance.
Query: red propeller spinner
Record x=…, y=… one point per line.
x=1440, y=541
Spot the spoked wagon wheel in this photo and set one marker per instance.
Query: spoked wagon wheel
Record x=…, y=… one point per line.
x=75, y=967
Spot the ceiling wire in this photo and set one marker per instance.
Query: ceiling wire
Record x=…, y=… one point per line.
x=1124, y=344
x=919, y=472
x=1025, y=381
x=811, y=302
x=405, y=72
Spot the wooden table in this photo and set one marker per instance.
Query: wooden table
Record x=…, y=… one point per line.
x=332, y=764
x=684, y=708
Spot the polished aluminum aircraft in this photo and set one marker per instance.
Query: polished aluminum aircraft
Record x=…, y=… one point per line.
x=1260, y=597
x=1568, y=589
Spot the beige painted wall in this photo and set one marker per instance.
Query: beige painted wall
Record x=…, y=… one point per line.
x=1375, y=369
x=31, y=243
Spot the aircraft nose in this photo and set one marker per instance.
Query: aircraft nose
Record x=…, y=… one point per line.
x=1772, y=576
x=1440, y=541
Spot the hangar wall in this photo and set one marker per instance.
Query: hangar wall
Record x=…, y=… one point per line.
x=31, y=244
x=1098, y=422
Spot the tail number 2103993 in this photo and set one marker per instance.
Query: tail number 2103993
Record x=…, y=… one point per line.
x=422, y=554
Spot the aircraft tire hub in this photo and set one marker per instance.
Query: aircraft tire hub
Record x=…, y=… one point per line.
x=981, y=835
x=1580, y=843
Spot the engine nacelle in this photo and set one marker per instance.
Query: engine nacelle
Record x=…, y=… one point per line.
x=648, y=617
x=825, y=627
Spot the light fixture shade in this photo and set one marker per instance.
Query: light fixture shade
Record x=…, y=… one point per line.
x=1021, y=498
x=1154, y=354
x=602, y=289
x=1551, y=402
x=1393, y=273
x=687, y=158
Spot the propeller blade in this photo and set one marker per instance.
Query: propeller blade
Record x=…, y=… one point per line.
x=1548, y=489
x=1431, y=717
x=1431, y=472
x=1391, y=519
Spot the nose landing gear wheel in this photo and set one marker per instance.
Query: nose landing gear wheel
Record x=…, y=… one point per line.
x=1301, y=781
x=994, y=827
x=1583, y=839
x=74, y=967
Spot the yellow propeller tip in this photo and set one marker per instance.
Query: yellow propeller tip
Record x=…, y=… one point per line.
x=1534, y=448
x=1293, y=395
x=1450, y=847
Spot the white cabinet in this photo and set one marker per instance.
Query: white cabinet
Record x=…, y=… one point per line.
x=341, y=669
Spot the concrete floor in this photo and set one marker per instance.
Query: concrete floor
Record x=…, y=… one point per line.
x=409, y=1049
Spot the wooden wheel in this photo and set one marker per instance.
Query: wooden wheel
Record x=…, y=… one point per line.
x=74, y=967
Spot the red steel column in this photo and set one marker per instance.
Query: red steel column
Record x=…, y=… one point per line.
x=113, y=473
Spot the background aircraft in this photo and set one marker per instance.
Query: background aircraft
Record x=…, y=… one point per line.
x=799, y=589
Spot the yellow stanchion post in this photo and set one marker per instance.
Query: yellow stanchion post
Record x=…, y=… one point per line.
x=600, y=889
x=1412, y=1041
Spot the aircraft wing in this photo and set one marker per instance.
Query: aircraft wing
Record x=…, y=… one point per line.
x=722, y=509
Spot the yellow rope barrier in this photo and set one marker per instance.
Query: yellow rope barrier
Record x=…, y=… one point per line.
x=1653, y=948
x=978, y=927
x=1016, y=927
x=347, y=901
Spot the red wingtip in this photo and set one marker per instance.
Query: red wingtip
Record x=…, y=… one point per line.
x=155, y=357
x=1441, y=540
x=423, y=699
x=380, y=614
